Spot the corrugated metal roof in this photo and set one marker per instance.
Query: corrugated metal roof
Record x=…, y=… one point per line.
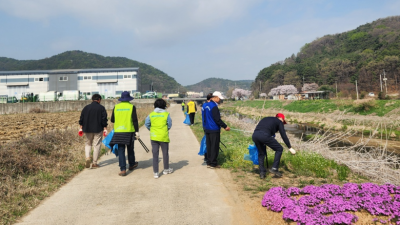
x=63, y=71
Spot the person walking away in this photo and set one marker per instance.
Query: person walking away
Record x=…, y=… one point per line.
x=159, y=123
x=191, y=110
x=209, y=96
x=264, y=135
x=183, y=106
x=212, y=124
x=93, y=122
x=126, y=130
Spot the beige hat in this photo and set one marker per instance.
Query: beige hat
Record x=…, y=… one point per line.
x=218, y=94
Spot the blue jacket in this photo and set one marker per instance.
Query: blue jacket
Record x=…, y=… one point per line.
x=212, y=122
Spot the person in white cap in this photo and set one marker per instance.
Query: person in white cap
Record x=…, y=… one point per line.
x=264, y=135
x=212, y=124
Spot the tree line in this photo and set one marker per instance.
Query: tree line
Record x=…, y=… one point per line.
x=342, y=59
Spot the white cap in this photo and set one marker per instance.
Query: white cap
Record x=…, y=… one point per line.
x=218, y=94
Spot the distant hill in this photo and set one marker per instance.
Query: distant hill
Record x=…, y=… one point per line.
x=218, y=84
x=361, y=54
x=83, y=60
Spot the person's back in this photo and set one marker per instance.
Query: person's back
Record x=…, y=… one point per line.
x=92, y=118
x=269, y=125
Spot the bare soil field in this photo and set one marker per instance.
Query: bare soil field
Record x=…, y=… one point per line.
x=16, y=126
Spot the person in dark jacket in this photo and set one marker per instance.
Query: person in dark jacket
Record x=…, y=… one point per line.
x=212, y=124
x=126, y=130
x=93, y=122
x=209, y=96
x=264, y=135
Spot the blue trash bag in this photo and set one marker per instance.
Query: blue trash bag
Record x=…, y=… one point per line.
x=203, y=146
x=187, y=120
x=253, y=152
x=106, y=141
x=115, y=150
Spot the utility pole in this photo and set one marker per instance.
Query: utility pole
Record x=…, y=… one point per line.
x=336, y=90
x=357, y=89
x=380, y=80
x=385, y=79
x=303, y=81
x=260, y=86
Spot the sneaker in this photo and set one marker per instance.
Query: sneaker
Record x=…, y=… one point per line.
x=156, y=175
x=208, y=165
x=134, y=166
x=262, y=175
x=88, y=162
x=95, y=166
x=122, y=173
x=275, y=172
x=168, y=171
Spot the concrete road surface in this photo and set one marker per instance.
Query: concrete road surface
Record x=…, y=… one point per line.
x=192, y=194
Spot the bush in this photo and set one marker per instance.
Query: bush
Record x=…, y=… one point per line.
x=364, y=105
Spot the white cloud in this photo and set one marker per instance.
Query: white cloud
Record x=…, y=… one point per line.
x=150, y=21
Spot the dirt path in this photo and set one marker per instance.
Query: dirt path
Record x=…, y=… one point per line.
x=193, y=194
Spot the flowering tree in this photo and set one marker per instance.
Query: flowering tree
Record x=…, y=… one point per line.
x=263, y=95
x=310, y=87
x=240, y=93
x=283, y=90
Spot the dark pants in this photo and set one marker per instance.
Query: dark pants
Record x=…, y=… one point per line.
x=212, y=141
x=183, y=108
x=155, y=145
x=121, y=156
x=261, y=140
x=191, y=116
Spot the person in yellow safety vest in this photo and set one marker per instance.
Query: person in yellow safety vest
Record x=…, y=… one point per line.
x=126, y=130
x=191, y=110
x=159, y=122
x=183, y=106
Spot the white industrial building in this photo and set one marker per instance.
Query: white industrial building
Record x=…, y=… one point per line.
x=109, y=82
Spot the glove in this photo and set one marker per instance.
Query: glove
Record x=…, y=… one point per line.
x=291, y=150
x=105, y=133
x=80, y=133
x=137, y=135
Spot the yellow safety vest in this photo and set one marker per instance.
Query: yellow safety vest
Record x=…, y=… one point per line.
x=159, y=126
x=192, y=108
x=123, y=118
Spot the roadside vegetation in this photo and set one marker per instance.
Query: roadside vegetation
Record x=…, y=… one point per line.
x=365, y=117
x=34, y=167
x=299, y=170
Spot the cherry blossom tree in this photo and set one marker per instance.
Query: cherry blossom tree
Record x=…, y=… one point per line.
x=283, y=90
x=240, y=93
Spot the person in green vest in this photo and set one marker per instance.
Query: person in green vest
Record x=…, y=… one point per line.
x=159, y=122
x=126, y=130
x=183, y=106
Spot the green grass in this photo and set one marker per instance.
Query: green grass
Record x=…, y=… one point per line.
x=321, y=106
x=302, y=164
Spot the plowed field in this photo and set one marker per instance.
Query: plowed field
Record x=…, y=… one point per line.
x=16, y=126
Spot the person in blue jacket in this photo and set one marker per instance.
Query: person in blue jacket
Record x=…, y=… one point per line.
x=212, y=124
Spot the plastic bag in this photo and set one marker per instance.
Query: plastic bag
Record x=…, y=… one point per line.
x=203, y=146
x=253, y=152
x=187, y=120
x=106, y=141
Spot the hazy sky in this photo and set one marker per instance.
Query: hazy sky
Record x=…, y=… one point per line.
x=190, y=40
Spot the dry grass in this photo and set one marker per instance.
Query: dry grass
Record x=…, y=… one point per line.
x=33, y=167
x=37, y=110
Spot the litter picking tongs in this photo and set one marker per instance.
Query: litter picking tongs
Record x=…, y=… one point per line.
x=143, y=145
